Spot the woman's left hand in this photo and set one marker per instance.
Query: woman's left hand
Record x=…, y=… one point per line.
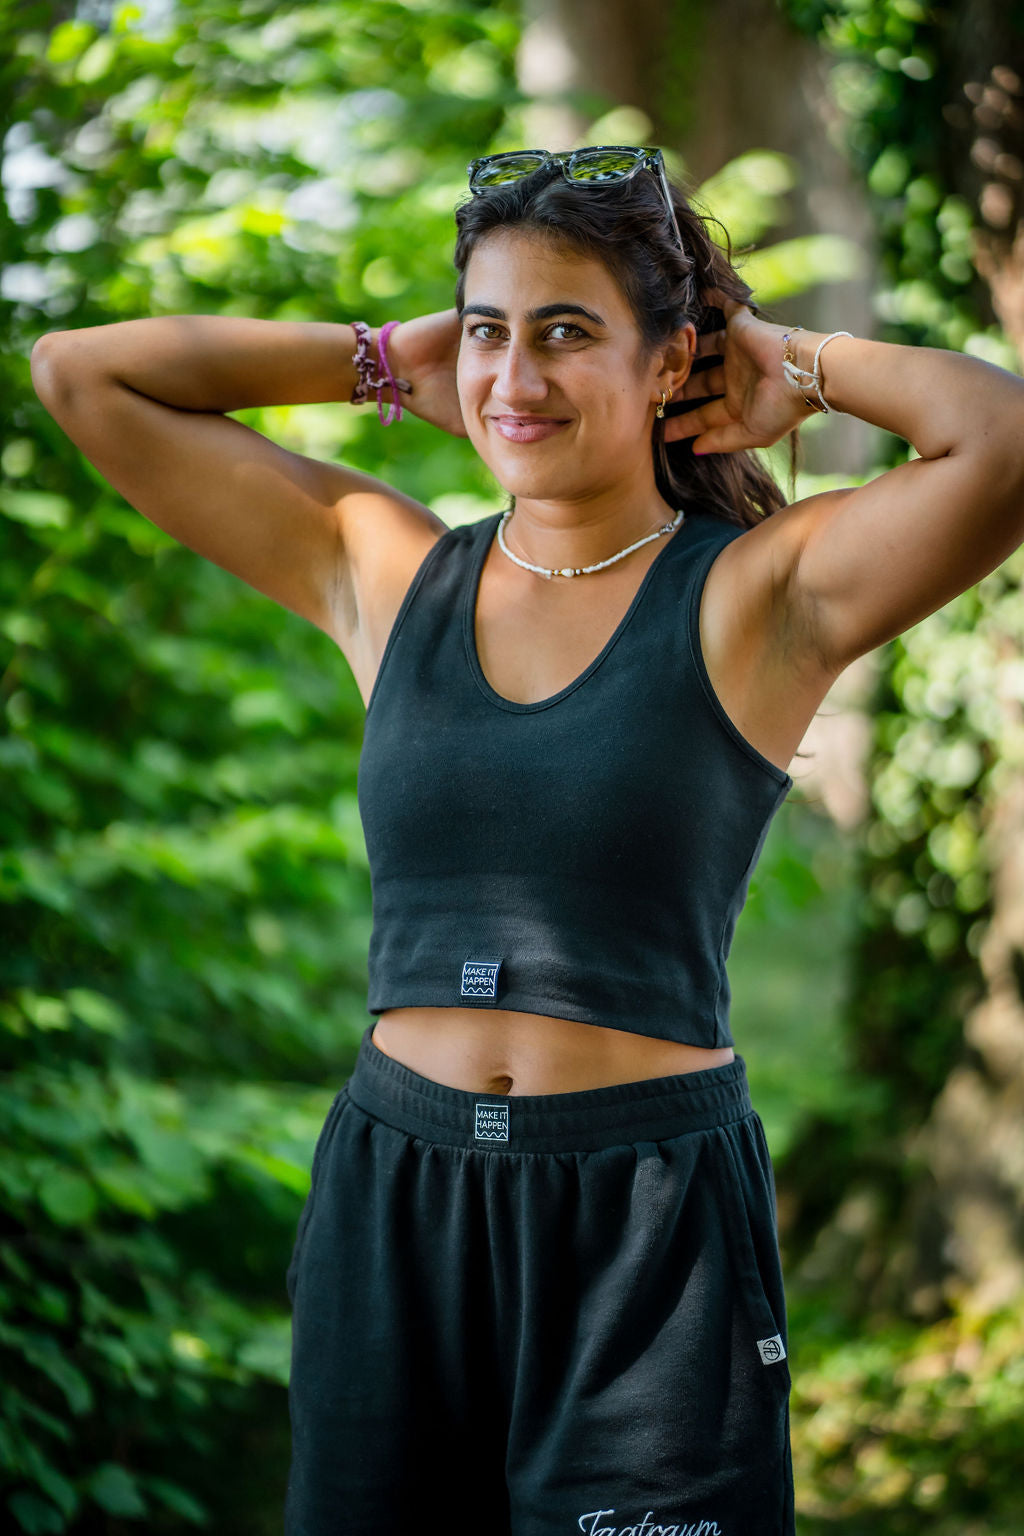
x=757, y=406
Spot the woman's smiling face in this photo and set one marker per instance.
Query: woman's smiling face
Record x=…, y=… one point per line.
x=556, y=394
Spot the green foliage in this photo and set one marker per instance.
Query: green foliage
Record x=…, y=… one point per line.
x=748, y=198
x=183, y=878
x=944, y=745
x=897, y=82
x=909, y=1431
x=788, y=978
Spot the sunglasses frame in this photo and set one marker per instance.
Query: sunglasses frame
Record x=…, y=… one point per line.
x=647, y=158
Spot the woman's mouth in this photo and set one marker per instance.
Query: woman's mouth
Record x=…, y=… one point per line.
x=527, y=429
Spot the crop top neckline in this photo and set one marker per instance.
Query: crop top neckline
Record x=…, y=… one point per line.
x=472, y=591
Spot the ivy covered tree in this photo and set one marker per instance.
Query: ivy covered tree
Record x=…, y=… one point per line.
x=933, y=112
x=909, y=1218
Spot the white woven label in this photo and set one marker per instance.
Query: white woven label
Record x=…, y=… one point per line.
x=491, y=1122
x=480, y=978
x=771, y=1349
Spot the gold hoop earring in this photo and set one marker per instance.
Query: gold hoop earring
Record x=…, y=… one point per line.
x=660, y=408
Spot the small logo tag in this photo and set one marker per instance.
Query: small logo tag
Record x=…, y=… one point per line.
x=771, y=1349
x=480, y=978
x=491, y=1122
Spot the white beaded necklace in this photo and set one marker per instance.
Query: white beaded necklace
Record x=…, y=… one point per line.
x=585, y=570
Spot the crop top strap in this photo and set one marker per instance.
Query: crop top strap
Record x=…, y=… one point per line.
x=438, y=570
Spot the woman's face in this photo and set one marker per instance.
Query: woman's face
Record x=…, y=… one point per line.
x=555, y=395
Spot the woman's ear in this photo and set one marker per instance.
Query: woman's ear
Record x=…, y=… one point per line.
x=678, y=356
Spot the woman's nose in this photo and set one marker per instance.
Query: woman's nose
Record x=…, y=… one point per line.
x=520, y=377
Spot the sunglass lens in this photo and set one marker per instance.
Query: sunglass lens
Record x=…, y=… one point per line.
x=602, y=164
x=503, y=168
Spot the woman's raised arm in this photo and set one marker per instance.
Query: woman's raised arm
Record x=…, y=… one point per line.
x=860, y=566
x=145, y=401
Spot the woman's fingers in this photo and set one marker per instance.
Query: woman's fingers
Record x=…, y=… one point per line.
x=710, y=346
x=710, y=341
x=707, y=380
x=731, y=438
x=681, y=427
x=697, y=419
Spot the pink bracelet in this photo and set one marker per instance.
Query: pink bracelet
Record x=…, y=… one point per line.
x=395, y=408
x=385, y=380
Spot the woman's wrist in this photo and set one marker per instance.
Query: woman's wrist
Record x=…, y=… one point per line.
x=934, y=398
x=810, y=354
x=375, y=373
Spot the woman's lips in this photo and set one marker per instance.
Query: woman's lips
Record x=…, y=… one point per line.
x=526, y=429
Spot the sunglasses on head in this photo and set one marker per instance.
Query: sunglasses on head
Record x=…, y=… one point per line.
x=597, y=164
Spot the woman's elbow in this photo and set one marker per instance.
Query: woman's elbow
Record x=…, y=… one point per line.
x=50, y=367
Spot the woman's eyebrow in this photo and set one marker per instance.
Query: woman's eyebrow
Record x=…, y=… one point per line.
x=545, y=312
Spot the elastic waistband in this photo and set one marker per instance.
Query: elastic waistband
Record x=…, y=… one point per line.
x=653, y=1109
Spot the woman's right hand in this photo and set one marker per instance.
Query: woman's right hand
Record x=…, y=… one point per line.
x=425, y=352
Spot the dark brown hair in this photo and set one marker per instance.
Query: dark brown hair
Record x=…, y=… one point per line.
x=625, y=225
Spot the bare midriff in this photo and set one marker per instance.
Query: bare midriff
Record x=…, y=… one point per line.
x=494, y=1051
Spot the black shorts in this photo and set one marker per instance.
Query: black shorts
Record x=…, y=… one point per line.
x=539, y=1315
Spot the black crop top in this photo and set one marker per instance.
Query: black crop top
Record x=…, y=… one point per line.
x=585, y=856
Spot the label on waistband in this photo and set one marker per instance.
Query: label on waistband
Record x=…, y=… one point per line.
x=491, y=1122
x=480, y=978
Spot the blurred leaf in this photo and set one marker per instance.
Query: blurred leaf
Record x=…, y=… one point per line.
x=45, y=1355
x=177, y=1500
x=37, y=508
x=67, y=1197
x=35, y=1516
x=789, y=267
x=116, y=1491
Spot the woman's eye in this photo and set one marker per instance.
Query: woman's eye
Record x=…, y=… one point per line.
x=489, y=330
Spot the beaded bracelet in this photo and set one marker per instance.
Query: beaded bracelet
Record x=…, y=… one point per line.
x=386, y=379
x=800, y=378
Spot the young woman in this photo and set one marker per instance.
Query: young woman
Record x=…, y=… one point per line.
x=536, y=1283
